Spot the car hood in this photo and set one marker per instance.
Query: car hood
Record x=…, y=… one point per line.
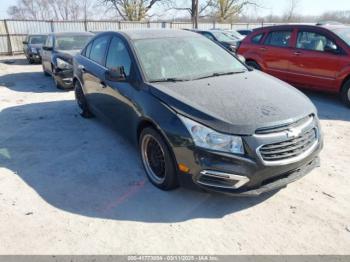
x=67, y=55
x=236, y=104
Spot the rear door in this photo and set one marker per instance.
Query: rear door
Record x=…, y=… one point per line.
x=315, y=61
x=276, y=52
x=93, y=71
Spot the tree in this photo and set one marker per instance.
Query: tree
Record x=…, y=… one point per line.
x=132, y=10
x=51, y=9
x=228, y=10
x=291, y=10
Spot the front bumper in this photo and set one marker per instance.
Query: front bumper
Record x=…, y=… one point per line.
x=260, y=177
x=64, y=78
x=34, y=57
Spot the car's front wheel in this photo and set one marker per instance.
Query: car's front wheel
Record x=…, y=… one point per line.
x=157, y=159
x=81, y=101
x=345, y=93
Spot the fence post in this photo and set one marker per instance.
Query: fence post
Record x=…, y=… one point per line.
x=9, y=44
x=85, y=25
x=52, y=27
x=119, y=25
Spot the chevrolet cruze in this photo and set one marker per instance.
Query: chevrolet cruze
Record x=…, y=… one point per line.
x=197, y=113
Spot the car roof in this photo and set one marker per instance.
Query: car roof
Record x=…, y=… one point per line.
x=135, y=34
x=330, y=27
x=72, y=34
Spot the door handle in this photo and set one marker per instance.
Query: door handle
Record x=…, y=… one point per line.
x=297, y=53
x=102, y=84
x=262, y=48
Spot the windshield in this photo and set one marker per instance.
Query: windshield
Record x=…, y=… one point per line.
x=223, y=37
x=37, y=39
x=343, y=33
x=184, y=58
x=235, y=34
x=71, y=42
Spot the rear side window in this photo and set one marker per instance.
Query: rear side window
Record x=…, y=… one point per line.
x=257, y=38
x=279, y=38
x=314, y=41
x=98, y=49
x=118, y=55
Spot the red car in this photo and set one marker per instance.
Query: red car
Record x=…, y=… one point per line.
x=310, y=57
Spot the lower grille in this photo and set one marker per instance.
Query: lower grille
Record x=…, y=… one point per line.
x=289, y=148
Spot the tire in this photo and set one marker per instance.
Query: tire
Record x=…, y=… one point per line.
x=81, y=101
x=30, y=61
x=57, y=84
x=254, y=65
x=345, y=93
x=157, y=160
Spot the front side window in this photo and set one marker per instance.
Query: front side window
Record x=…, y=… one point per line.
x=76, y=42
x=88, y=50
x=98, y=49
x=185, y=58
x=314, y=41
x=279, y=38
x=118, y=55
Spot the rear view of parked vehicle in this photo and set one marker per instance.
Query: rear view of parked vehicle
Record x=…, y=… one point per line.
x=57, y=56
x=197, y=114
x=32, y=47
x=310, y=57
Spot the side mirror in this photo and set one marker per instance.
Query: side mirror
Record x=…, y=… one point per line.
x=116, y=74
x=331, y=48
x=25, y=42
x=47, y=48
x=241, y=58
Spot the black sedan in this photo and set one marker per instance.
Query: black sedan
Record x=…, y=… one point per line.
x=32, y=47
x=197, y=114
x=57, y=56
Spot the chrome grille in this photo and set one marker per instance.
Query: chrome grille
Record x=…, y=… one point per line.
x=290, y=148
x=283, y=127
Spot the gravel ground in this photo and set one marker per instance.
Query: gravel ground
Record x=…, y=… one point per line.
x=74, y=186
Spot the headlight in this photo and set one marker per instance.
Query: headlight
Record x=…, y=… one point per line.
x=61, y=64
x=33, y=50
x=210, y=139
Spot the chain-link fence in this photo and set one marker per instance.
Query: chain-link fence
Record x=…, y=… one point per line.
x=13, y=32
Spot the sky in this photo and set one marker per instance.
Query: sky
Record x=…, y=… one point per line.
x=276, y=7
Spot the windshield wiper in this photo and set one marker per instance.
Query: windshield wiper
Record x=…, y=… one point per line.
x=169, y=79
x=221, y=74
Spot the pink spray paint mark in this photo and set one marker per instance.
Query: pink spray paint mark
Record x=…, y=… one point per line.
x=129, y=193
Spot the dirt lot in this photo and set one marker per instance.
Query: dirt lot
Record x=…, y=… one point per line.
x=74, y=186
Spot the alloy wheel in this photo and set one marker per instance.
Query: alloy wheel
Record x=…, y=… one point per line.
x=153, y=158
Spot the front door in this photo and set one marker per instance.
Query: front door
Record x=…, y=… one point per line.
x=315, y=61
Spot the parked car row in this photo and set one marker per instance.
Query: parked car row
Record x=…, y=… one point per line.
x=198, y=114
